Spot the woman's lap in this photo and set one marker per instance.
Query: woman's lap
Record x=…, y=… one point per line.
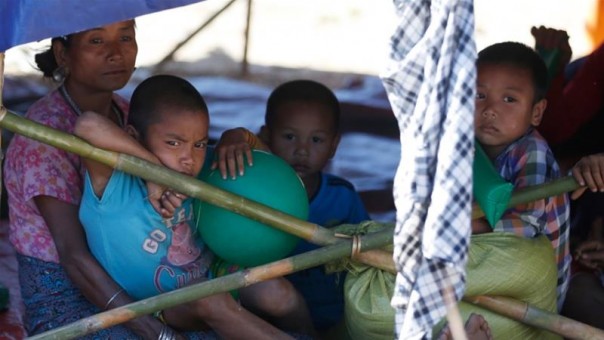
x=51, y=300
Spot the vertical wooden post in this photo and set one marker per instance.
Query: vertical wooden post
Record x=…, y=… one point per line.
x=159, y=66
x=248, y=18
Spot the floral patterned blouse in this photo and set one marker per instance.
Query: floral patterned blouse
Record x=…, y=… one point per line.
x=35, y=169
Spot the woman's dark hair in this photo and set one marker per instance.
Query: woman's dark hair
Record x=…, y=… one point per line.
x=517, y=55
x=162, y=92
x=46, y=61
x=302, y=90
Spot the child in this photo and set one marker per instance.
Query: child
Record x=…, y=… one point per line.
x=302, y=127
x=148, y=253
x=511, y=84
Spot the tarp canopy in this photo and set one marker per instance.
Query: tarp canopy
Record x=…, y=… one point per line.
x=24, y=21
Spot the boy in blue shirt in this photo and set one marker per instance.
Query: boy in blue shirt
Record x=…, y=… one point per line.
x=302, y=127
x=145, y=240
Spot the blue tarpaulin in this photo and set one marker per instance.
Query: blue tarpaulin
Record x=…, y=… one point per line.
x=23, y=21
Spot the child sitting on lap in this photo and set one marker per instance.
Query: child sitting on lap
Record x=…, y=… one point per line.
x=511, y=84
x=148, y=245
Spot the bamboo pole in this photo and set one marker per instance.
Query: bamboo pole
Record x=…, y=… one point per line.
x=159, y=66
x=201, y=190
x=182, y=183
x=533, y=316
x=534, y=193
x=186, y=184
x=222, y=284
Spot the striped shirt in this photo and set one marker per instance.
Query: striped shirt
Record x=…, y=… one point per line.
x=528, y=162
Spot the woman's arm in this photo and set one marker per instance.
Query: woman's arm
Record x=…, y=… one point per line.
x=83, y=269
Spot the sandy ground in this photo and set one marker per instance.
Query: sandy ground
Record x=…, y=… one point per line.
x=348, y=36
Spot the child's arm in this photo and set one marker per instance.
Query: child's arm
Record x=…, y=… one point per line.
x=531, y=163
x=103, y=133
x=231, y=148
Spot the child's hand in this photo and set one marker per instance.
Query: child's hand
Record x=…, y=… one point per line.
x=163, y=200
x=154, y=194
x=591, y=254
x=230, y=152
x=170, y=201
x=550, y=39
x=589, y=173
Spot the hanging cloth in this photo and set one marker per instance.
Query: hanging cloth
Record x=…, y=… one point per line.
x=430, y=82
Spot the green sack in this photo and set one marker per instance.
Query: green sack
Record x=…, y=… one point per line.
x=490, y=190
x=367, y=310
x=498, y=264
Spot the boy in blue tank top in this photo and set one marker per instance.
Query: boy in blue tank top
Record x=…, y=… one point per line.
x=302, y=127
x=142, y=233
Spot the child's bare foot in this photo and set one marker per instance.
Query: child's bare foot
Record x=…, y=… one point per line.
x=476, y=328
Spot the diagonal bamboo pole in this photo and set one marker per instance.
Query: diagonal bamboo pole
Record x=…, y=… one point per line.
x=182, y=183
x=201, y=190
x=222, y=284
x=533, y=316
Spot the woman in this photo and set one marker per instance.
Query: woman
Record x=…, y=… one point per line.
x=60, y=280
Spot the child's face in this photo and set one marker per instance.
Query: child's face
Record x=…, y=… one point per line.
x=179, y=140
x=504, y=106
x=304, y=134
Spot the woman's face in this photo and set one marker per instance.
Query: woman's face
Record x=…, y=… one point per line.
x=100, y=59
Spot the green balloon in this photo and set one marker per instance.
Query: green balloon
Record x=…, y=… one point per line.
x=241, y=240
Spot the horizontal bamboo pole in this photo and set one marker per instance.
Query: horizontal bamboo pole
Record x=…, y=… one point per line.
x=208, y=193
x=534, y=193
x=218, y=285
x=536, y=317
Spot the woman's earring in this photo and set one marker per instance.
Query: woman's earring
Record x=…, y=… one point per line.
x=59, y=74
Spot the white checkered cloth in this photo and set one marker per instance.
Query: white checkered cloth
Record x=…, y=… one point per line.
x=431, y=87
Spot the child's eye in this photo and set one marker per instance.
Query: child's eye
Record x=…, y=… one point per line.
x=173, y=143
x=96, y=41
x=317, y=140
x=509, y=99
x=289, y=136
x=126, y=38
x=480, y=95
x=201, y=145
